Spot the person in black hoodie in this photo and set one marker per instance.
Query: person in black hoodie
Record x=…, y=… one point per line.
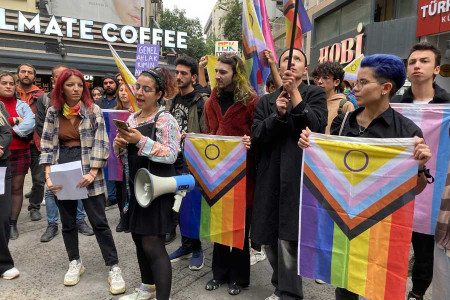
x=188, y=109
x=279, y=119
x=423, y=65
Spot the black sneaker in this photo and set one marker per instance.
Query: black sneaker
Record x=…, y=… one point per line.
x=28, y=195
x=35, y=215
x=50, y=233
x=412, y=297
x=14, y=233
x=84, y=228
x=110, y=203
x=121, y=226
x=170, y=237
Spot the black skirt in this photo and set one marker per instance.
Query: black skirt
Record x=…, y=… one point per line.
x=156, y=219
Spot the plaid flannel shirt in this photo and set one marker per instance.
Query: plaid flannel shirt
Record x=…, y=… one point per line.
x=94, y=144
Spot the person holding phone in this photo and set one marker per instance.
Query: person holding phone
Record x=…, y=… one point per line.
x=151, y=141
x=74, y=129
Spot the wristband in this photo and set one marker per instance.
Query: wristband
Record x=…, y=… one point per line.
x=427, y=174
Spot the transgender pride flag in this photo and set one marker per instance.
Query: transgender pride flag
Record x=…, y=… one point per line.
x=434, y=120
x=113, y=170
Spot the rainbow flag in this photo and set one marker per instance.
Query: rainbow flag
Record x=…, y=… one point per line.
x=113, y=170
x=127, y=76
x=254, y=46
x=216, y=210
x=356, y=213
x=434, y=120
x=303, y=22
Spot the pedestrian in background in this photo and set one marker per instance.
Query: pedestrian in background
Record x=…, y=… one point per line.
x=21, y=118
x=7, y=269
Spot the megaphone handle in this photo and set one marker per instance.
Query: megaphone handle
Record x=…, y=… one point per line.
x=177, y=203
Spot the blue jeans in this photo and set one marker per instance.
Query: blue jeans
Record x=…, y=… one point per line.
x=52, y=209
x=111, y=187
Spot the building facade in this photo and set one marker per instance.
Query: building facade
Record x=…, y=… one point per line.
x=47, y=33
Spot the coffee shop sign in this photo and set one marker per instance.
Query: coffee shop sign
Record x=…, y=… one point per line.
x=345, y=51
x=127, y=34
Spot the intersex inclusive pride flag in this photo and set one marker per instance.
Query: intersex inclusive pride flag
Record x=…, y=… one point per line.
x=434, y=120
x=113, y=170
x=356, y=213
x=216, y=210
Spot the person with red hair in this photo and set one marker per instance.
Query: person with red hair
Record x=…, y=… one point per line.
x=74, y=130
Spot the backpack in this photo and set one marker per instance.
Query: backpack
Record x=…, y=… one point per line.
x=195, y=101
x=341, y=105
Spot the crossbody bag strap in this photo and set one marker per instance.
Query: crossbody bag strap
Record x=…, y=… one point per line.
x=343, y=123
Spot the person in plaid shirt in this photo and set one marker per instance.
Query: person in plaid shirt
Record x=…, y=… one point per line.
x=74, y=129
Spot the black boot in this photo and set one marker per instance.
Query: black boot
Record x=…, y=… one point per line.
x=14, y=233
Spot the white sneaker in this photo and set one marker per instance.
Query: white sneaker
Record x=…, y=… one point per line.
x=72, y=276
x=11, y=274
x=256, y=256
x=318, y=281
x=273, y=297
x=116, y=282
x=140, y=295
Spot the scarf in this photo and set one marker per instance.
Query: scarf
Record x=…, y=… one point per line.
x=71, y=112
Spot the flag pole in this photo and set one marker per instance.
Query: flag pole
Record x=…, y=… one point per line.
x=294, y=30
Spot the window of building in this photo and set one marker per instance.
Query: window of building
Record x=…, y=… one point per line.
x=354, y=13
x=406, y=8
x=327, y=27
x=384, y=10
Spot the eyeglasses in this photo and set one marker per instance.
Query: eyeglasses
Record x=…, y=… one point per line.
x=145, y=88
x=361, y=83
x=323, y=77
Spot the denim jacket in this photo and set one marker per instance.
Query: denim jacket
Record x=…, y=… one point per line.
x=27, y=126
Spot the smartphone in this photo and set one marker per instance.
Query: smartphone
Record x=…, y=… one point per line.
x=121, y=124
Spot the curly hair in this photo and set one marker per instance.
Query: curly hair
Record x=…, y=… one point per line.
x=386, y=68
x=170, y=83
x=331, y=69
x=58, y=98
x=243, y=91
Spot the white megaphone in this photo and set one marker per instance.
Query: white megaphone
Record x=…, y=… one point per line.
x=147, y=187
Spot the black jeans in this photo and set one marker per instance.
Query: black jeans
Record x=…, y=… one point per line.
x=422, y=272
x=95, y=210
x=6, y=261
x=38, y=179
x=283, y=259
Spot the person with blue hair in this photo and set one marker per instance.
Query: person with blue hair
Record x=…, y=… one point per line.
x=379, y=78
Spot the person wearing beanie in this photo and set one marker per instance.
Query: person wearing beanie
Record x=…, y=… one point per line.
x=110, y=84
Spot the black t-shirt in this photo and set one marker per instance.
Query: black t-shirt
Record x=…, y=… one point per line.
x=180, y=110
x=390, y=124
x=226, y=99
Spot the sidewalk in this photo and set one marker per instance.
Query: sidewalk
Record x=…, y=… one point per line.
x=43, y=265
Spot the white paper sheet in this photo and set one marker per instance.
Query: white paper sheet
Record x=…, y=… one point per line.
x=2, y=180
x=68, y=175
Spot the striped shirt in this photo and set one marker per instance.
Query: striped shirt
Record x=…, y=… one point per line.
x=165, y=148
x=94, y=143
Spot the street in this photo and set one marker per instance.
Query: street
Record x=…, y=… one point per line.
x=43, y=265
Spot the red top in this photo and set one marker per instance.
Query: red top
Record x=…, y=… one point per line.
x=237, y=121
x=10, y=105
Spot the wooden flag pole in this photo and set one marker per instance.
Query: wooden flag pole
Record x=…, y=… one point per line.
x=294, y=30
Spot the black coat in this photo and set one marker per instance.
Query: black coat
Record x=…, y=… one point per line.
x=279, y=162
x=440, y=96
